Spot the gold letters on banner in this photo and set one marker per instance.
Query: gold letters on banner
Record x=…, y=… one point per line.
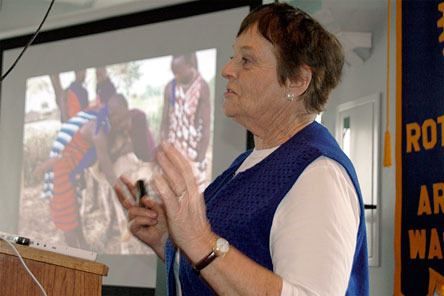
x=440, y=24
x=426, y=135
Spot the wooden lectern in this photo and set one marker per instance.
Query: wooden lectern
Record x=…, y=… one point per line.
x=60, y=275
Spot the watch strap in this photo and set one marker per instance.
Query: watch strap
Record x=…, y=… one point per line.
x=204, y=262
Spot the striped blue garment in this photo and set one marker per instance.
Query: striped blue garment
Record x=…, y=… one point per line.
x=67, y=131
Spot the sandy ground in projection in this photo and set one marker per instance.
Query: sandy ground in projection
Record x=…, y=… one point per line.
x=103, y=219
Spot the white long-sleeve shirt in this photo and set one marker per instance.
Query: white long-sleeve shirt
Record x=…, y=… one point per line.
x=314, y=230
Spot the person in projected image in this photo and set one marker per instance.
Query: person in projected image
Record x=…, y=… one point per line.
x=91, y=135
x=72, y=100
x=141, y=136
x=285, y=218
x=105, y=88
x=187, y=113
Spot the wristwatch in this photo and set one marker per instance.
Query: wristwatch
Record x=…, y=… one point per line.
x=220, y=248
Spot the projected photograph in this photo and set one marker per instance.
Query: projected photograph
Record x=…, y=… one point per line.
x=84, y=128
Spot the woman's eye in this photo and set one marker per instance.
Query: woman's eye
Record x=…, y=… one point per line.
x=245, y=61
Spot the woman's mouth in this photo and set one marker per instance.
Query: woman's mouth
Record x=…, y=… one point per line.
x=229, y=92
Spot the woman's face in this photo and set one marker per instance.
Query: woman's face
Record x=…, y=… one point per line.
x=119, y=116
x=253, y=95
x=183, y=72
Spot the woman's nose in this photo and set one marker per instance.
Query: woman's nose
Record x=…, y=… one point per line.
x=228, y=70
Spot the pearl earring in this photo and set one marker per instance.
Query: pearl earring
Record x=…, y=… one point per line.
x=290, y=96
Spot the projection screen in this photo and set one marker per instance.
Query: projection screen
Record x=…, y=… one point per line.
x=68, y=77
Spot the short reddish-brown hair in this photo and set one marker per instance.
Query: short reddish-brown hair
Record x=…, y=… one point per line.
x=300, y=40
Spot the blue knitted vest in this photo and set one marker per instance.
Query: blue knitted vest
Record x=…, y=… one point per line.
x=241, y=208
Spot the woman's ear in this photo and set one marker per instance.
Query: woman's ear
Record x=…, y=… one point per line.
x=300, y=85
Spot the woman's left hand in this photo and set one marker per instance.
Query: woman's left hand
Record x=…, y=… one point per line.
x=191, y=231
x=184, y=204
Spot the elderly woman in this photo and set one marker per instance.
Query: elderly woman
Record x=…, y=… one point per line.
x=286, y=218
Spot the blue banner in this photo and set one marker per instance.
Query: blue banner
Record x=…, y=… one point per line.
x=419, y=243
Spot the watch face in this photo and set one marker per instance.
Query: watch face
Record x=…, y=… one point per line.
x=222, y=246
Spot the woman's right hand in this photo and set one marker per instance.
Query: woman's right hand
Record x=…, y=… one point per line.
x=147, y=223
